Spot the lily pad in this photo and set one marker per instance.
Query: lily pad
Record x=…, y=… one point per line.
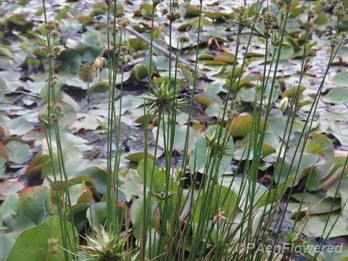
x=316, y=203
x=325, y=226
x=9, y=187
x=2, y=166
x=223, y=199
x=321, y=145
x=96, y=215
x=45, y=241
x=152, y=176
x=293, y=91
x=341, y=79
x=208, y=146
x=131, y=184
x=138, y=156
x=19, y=152
x=19, y=22
x=139, y=73
x=207, y=99
x=241, y=125
x=137, y=213
x=19, y=126
x=337, y=96
x=36, y=165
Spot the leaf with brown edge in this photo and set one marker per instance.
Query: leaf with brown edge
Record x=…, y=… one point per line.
x=225, y=58
x=207, y=99
x=138, y=156
x=36, y=165
x=293, y=91
x=3, y=151
x=10, y=186
x=333, y=178
x=3, y=130
x=241, y=125
x=267, y=150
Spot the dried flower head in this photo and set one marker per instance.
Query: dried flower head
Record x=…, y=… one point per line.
x=54, y=118
x=243, y=19
x=312, y=14
x=184, y=38
x=55, y=33
x=124, y=23
x=52, y=25
x=164, y=11
x=340, y=11
x=173, y=16
x=87, y=73
x=219, y=217
x=56, y=51
x=124, y=49
x=175, y=4
x=334, y=41
x=270, y=21
x=59, y=110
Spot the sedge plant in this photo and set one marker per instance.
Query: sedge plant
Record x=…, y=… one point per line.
x=199, y=209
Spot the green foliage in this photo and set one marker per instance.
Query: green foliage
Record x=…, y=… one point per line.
x=46, y=240
x=183, y=153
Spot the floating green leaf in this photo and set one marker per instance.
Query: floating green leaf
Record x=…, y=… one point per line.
x=137, y=215
x=139, y=73
x=321, y=145
x=19, y=22
x=19, y=126
x=341, y=79
x=241, y=125
x=96, y=215
x=337, y=95
x=316, y=203
x=19, y=152
x=9, y=187
x=45, y=241
x=153, y=178
x=293, y=91
x=223, y=200
x=324, y=226
x=138, y=156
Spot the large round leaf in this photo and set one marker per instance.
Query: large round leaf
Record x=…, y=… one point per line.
x=136, y=214
x=96, y=215
x=44, y=242
x=223, y=200
x=19, y=151
x=336, y=96
x=34, y=207
x=341, y=79
x=240, y=126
